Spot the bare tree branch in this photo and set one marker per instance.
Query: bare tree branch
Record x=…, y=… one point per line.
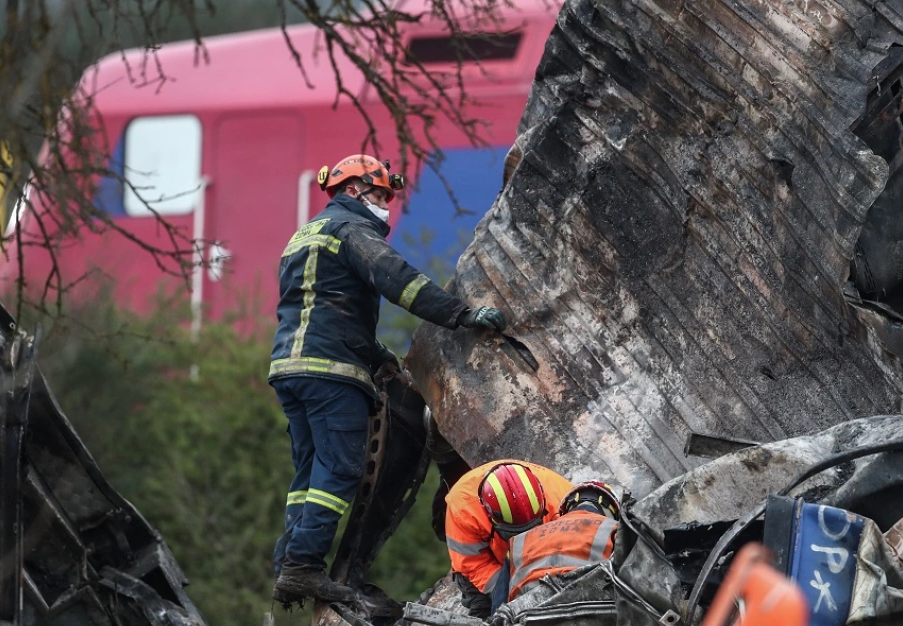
x=52, y=107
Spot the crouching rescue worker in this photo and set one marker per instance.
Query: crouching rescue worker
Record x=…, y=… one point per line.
x=325, y=354
x=584, y=533
x=486, y=507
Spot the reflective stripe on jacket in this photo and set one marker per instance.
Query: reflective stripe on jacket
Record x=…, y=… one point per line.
x=331, y=276
x=573, y=540
x=474, y=549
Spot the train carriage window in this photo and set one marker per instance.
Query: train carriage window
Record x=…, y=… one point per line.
x=163, y=164
x=464, y=47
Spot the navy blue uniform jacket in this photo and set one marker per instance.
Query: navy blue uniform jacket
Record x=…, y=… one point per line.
x=331, y=276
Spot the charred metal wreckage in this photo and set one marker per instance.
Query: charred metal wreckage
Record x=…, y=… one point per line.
x=675, y=244
x=698, y=244
x=72, y=550
x=699, y=241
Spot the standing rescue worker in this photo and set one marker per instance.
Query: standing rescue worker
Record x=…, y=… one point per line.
x=583, y=534
x=485, y=508
x=325, y=353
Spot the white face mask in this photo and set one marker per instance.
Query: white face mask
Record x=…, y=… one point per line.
x=378, y=211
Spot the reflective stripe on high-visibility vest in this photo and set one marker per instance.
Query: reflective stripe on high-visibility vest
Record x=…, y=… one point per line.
x=466, y=549
x=577, y=539
x=314, y=242
x=315, y=496
x=411, y=290
x=493, y=581
x=313, y=365
x=308, y=237
x=296, y=497
x=322, y=241
x=307, y=286
x=303, y=233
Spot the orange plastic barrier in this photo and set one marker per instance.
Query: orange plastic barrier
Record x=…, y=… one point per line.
x=760, y=595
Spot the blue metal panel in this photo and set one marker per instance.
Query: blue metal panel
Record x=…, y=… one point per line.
x=825, y=546
x=431, y=236
x=109, y=197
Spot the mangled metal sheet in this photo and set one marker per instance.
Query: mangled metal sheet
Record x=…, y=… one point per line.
x=708, y=499
x=665, y=538
x=673, y=245
x=75, y=551
x=729, y=487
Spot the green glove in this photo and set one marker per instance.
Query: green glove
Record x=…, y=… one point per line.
x=485, y=317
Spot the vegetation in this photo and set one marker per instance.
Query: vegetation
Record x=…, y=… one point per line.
x=188, y=430
x=205, y=458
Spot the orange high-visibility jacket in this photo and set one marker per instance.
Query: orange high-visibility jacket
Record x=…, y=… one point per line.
x=476, y=551
x=571, y=541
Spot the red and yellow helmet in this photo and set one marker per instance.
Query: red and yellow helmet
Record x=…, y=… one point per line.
x=513, y=498
x=365, y=167
x=596, y=493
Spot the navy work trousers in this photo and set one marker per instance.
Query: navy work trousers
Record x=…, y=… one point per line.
x=499, y=594
x=328, y=423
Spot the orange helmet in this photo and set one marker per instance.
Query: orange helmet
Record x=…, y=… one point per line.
x=593, y=492
x=513, y=498
x=365, y=167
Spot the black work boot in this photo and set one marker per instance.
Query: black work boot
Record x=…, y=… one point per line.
x=297, y=582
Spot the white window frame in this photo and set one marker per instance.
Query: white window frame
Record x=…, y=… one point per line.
x=163, y=165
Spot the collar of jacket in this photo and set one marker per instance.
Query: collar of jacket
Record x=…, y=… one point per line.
x=357, y=207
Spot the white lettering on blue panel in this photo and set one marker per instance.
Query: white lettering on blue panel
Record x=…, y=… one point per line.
x=825, y=539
